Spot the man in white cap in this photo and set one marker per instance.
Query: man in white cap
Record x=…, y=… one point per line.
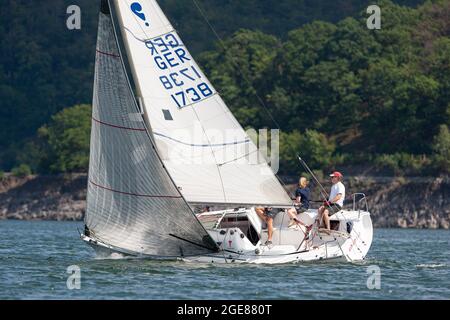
x=335, y=201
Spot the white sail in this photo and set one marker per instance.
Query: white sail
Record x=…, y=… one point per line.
x=204, y=148
x=132, y=204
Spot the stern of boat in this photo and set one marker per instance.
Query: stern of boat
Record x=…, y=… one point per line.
x=240, y=235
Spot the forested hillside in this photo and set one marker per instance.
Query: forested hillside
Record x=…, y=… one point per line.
x=342, y=94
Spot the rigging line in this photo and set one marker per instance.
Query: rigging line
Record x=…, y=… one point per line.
x=216, y=93
x=281, y=225
x=323, y=192
x=213, y=154
x=305, y=235
x=346, y=257
x=211, y=148
x=284, y=185
x=132, y=252
x=149, y=130
x=224, y=242
x=261, y=101
x=204, y=131
x=191, y=242
x=182, y=44
x=124, y=235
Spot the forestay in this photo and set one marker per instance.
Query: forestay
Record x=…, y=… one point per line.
x=206, y=151
x=132, y=204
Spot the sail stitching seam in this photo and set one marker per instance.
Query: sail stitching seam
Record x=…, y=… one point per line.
x=117, y=127
x=202, y=145
x=153, y=38
x=133, y=194
x=108, y=54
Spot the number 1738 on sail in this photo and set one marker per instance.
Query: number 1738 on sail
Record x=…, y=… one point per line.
x=190, y=95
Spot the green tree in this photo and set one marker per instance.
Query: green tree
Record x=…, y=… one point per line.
x=378, y=92
x=354, y=43
x=441, y=148
x=399, y=101
x=290, y=147
x=318, y=150
x=402, y=163
x=314, y=147
x=333, y=98
x=237, y=68
x=438, y=64
x=68, y=138
x=35, y=154
x=289, y=98
x=42, y=69
x=21, y=171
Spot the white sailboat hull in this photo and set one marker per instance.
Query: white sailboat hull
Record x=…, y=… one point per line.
x=294, y=245
x=350, y=242
x=144, y=175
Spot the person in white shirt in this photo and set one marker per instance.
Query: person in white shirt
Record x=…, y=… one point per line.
x=335, y=201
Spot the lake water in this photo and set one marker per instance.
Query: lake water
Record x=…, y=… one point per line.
x=34, y=257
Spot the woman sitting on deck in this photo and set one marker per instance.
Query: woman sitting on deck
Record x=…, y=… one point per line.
x=301, y=201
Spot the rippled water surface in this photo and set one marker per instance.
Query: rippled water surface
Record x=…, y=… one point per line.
x=34, y=257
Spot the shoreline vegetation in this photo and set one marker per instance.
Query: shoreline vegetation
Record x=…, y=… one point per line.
x=342, y=95
x=373, y=104
x=394, y=202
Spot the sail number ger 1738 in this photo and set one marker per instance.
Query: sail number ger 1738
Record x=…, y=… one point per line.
x=178, y=73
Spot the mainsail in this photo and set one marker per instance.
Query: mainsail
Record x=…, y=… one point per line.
x=208, y=154
x=132, y=203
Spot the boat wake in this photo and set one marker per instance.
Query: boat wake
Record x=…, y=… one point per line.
x=112, y=256
x=431, y=266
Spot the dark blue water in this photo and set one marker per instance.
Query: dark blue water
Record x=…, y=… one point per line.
x=34, y=257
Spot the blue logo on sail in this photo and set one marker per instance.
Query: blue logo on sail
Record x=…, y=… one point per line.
x=136, y=7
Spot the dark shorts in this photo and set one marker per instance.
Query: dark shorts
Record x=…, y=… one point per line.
x=270, y=213
x=300, y=209
x=335, y=208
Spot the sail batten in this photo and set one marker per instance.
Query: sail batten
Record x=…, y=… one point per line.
x=149, y=39
x=132, y=203
x=204, y=148
x=228, y=205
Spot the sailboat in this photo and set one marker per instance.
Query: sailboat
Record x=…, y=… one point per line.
x=163, y=141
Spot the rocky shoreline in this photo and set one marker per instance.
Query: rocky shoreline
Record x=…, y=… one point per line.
x=59, y=198
x=394, y=202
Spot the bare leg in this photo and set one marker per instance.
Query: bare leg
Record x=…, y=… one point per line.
x=270, y=228
x=269, y=222
x=292, y=213
x=321, y=210
x=260, y=213
x=326, y=219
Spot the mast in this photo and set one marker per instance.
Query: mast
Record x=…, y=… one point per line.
x=133, y=204
x=210, y=157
